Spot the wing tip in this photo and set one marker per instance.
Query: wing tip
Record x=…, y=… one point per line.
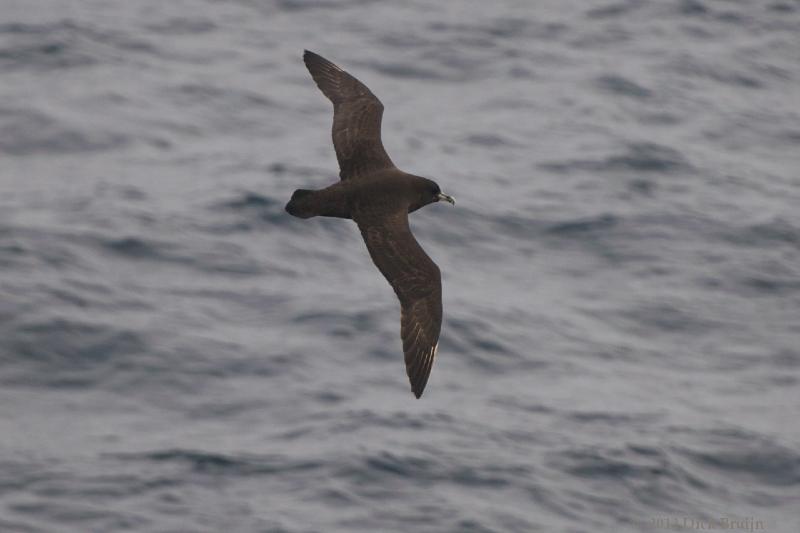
x=419, y=363
x=418, y=382
x=312, y=59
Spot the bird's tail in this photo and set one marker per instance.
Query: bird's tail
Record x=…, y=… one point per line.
x=328, y=202
x=299, y=206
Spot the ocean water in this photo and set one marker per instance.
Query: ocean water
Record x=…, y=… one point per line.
x=621, y=343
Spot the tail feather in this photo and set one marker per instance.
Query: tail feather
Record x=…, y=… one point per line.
x=328, y=202
x=296, y=206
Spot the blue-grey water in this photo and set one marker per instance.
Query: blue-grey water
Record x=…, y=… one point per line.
x=621, y=343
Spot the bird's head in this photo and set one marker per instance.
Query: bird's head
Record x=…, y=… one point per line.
x=428, y=192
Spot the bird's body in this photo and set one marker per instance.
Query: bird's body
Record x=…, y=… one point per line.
x=378, y=197
x=382, y=190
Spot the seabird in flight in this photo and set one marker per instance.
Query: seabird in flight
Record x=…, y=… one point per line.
x=378, y=197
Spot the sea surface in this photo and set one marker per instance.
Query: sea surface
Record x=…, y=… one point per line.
x=621, y=343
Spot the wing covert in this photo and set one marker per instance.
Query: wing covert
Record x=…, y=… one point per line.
x=417, y=282
x=357, y=115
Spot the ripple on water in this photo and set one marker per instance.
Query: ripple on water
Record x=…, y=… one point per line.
x=66, y=353
x=219, y=464
x=765, y=234
x=481, y=345
x=386, y=467
x=744, y=457
x=637, y=157
x=597, y=224
x=28, y=132
x=183, y=26
x=622, y=86
x=66, y=45
x=220, y=257
x=251, y=211
x=42, y=46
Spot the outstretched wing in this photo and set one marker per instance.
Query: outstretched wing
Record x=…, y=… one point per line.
x=357, y=117
x=417, y=282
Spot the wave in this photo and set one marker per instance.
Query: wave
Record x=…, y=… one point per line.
x=26, y=132
x=209, y=463
x=638, y=157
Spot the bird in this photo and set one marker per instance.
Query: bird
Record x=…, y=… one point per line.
x=378, y=197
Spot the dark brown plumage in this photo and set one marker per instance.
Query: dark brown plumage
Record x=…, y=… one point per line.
x=379, y=197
